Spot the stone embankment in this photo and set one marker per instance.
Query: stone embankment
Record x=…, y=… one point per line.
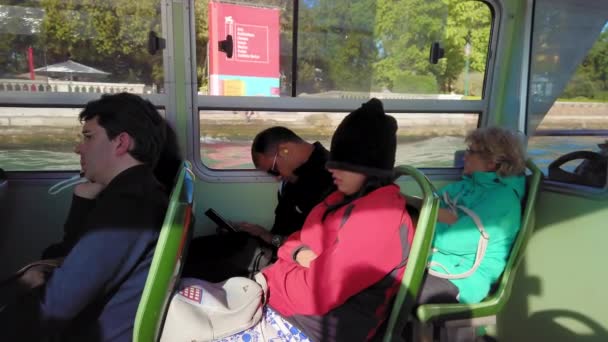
x=33, y=127
x=576, y=115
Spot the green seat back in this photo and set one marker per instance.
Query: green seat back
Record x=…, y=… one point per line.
x=416, y=264
x=497, y=300
x=174, y=236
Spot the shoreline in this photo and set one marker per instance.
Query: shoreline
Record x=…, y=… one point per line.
x=58, y=128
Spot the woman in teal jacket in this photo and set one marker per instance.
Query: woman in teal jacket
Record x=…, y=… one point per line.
x=478, y=220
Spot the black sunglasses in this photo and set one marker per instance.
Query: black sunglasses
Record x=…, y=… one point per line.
x=473, y=151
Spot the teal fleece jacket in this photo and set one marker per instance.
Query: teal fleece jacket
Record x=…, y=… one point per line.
x=497, y=202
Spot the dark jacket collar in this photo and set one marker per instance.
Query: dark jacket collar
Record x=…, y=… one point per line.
x=133, y=179
x=316, y=161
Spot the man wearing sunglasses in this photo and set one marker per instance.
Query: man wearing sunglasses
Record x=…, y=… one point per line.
x=300, y=167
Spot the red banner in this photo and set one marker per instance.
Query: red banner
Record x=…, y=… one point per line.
x=254, y=66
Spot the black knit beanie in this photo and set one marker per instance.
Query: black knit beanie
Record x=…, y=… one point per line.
x=365, y=142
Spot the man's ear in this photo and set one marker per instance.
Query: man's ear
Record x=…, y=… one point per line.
x=284, y=149
x=124, y=143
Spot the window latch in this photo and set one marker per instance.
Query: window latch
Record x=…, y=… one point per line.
x=226, y=46
x=155, y=43
x=437, y=52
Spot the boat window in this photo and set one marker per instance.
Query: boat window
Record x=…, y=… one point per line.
x=342, y=48
x=40, y=139
x=226, y=141
x=305, y=64
x=58, y=54
x=568, y=102
x=79, y=47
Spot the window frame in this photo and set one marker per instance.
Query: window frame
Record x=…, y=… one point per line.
x=555, y=186
x=78, y=100
x=313, y=104
x=179, y=66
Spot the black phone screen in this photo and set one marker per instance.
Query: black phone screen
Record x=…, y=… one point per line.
x=220, y=221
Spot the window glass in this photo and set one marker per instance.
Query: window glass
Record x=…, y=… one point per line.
x=38, y=139
x=423, y=140
x=342, y=48
x=568, y=102
x=66, y=47
x=79, y=46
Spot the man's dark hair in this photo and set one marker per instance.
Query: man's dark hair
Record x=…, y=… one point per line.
x=134, y=115
x=170, y=160
x=267, y=140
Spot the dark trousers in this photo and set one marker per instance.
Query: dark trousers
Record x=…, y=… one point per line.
x=218, y=257
x=437, y=290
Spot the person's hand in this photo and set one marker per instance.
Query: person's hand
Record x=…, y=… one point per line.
x=37, y=275
x=88, y=190
x=446, y=216
x=305, y=257
x=255, y=230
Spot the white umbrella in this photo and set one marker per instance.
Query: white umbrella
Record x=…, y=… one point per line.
x=69, y=68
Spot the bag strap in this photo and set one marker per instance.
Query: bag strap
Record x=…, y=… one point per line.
x=261, y=280
x=482, y=244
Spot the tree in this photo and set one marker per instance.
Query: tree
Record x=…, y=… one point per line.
x=595, y=63
x=468, y=21
x=591, y=77
x=405, y=31
x=108, y=35
x=335, y=45
x=18, y=25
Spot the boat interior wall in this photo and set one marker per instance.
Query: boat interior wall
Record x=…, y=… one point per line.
x=559, y=290
x=30, y=220
x=3, y=186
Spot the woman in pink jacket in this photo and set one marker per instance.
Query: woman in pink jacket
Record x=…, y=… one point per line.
x=335, y=279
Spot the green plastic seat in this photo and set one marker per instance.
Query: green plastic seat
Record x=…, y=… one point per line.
x=440, y=314
x=419, y=252
x=166, y=264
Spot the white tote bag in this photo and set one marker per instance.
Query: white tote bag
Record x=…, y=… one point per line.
x=204, y=311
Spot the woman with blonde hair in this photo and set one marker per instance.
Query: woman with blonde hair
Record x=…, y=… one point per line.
x=479, y=219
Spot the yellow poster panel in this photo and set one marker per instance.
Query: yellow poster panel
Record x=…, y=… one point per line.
x=234, y=88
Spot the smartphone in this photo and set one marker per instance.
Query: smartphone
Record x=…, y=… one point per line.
x=220, y=221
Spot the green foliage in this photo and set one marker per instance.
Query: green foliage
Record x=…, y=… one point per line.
x=590, y=81
x=407, y=29
x=475, y=83
x=107, y=35
x=349, y=45
x=336, y=47
x=580, y=85
x=14, y=37
x=415, y=84
x=468, y=21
